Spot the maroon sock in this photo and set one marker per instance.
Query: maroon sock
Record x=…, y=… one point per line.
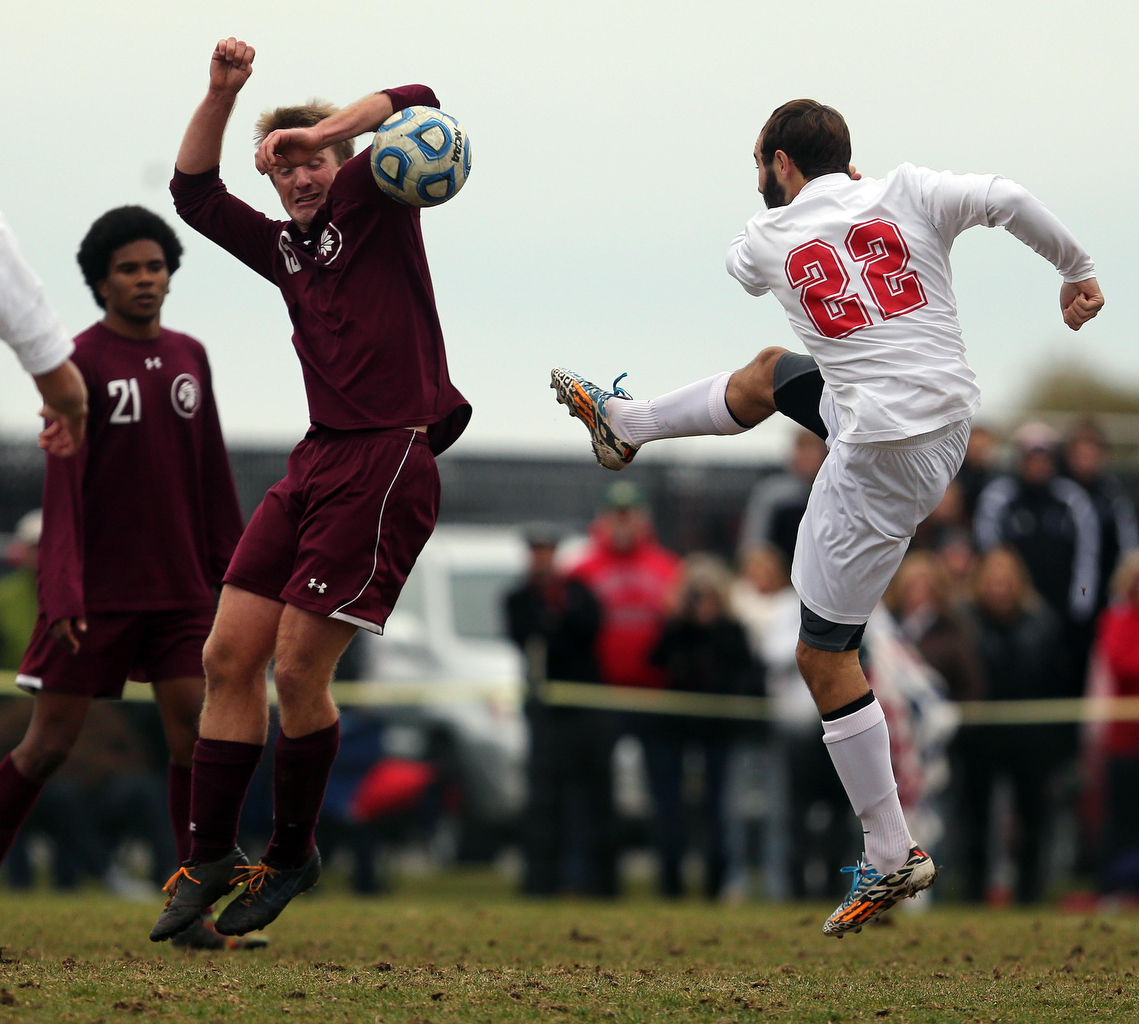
x=18, y=795
x=178, y=798
x=222, y=772
x=301, y=768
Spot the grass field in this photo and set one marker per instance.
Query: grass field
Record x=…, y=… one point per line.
x=460, y=948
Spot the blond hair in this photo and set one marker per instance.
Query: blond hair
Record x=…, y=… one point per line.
x=1026, y=595
x=304, y=116
x=1126, y=572
x=914, y=564
x=708, y=573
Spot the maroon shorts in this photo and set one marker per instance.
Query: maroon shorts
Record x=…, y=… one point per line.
x=338, y=536
x=142, y=646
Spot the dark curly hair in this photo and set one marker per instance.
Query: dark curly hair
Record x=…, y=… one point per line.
x=119, y=227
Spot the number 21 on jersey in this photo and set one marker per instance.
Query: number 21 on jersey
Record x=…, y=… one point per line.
x=875, y=246
x=128, y=401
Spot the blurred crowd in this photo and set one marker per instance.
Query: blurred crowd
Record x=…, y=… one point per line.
x=1022, y=586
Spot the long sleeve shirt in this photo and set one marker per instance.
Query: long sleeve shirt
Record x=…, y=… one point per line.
x=862, y=270
x=358, y=292
x=145, y=516
x=27, y=322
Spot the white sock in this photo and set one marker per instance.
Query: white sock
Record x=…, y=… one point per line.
x=691, y=411
x=859, y=746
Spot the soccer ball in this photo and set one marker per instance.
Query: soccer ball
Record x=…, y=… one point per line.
x=421, y=156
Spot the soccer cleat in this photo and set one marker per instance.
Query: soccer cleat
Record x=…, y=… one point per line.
x=203, y=935
x=267, y=892
x=193, y=888
x=587, y=402
x=872, y=893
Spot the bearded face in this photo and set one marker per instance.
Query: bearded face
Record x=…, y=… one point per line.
x=773, y=193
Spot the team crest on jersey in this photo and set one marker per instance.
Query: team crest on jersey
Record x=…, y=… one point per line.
x=330, y=244
x=186, y=395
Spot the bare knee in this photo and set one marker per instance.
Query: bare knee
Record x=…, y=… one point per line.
x=751, y=389
x=304, y=696
x=228, y=665
x=235, y=706
x=217, y=658
x=759, y=374
x=40, y=754
x=764, y=363
x=239, y=646
x=308, y=648
x=300, y=683
x=180, y=723
x=56, y=723
x=808, y=662
x=835, y=678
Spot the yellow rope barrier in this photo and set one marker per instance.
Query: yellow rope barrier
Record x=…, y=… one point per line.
x=674, y=702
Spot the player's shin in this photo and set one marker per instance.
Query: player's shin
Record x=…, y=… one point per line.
x=18, y=795
x=178, y=800
x=300, y=776
x=859, y=747
x=222, y=772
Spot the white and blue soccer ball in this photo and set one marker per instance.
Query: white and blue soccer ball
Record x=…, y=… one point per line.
x=421, y=156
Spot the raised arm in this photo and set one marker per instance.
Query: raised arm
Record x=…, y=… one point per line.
x=230, y=67
x=1020, y=213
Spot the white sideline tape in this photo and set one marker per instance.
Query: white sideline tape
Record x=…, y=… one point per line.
x=507, y=694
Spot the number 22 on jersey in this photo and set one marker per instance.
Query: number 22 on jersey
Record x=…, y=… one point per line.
x=879, y=250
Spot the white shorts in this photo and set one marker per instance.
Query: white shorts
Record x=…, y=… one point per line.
x=865, y=505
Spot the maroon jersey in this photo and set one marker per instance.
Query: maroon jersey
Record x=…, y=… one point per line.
x=145, y=516
x=358, y=292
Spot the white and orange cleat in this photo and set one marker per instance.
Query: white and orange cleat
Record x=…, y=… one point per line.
x=872, y=894
x=588, y=402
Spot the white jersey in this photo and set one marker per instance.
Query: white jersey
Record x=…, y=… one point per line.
x=27, y=322
x=862, y=270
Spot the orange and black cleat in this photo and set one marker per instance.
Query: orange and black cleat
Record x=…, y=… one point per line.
x=268, y=890
x=194, y=887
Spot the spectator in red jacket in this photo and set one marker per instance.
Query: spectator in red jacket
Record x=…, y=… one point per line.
x=1115, y=663
x=634, y=579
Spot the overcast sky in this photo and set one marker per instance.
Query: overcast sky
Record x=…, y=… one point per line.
x=612, y=165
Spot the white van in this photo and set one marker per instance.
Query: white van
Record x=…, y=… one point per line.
x=448, y=682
